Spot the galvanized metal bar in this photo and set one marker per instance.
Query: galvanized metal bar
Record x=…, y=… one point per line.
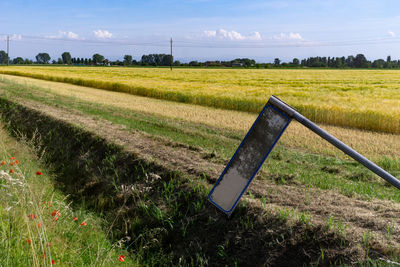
x=334, y=141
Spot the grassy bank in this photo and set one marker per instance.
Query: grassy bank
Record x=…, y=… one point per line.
x=165, y=214
x=364, y=99
x=38, y=226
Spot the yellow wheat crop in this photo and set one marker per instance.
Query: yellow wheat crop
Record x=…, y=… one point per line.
x=364, y=99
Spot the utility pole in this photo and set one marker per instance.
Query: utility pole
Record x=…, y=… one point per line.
x=171, y=53
x=8, y=50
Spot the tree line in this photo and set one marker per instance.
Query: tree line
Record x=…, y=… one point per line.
x=358, y=61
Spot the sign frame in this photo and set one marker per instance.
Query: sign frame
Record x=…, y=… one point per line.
x=288, y=120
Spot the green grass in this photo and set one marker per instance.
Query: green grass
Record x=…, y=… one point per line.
x=167, y=215
x=29, y=234
x=345, y=176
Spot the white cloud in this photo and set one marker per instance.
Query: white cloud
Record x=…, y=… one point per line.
x=223, y=34
x=290, y=36
x=65, y=35
x=391, y=33
x=15, y=37
x=102, y=34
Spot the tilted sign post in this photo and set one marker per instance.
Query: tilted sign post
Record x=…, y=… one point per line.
x=258, y=143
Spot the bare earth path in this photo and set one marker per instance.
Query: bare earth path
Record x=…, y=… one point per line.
x=377, y=219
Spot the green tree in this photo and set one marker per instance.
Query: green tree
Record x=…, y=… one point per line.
x=378, y=64
x=18, y=60
x=277, y=61
x=42, y=58
x=98, y=59
x=360, y=61
x=296, y=61
x=3, y=57
x=127, y=60
x=66, y=57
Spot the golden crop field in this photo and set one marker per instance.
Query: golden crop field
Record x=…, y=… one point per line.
x=365, y=99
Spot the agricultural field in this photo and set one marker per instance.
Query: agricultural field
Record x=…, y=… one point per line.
x=364, y=99
x=145, y=165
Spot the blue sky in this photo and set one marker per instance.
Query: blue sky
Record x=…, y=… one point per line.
x=202, y=29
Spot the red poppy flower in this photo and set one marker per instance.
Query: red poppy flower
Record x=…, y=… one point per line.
x=38, y=173
x=55, y=219
x=16, y=162
x=3, y=163
x=48, y=244
x=11, y=163
x=121, y=258
x=11, y=171
x=54, y=213
x=83, y=223
x=75, y=219
x=52, y=262
x=12, y=158
x=29, y=241
x=39, y=225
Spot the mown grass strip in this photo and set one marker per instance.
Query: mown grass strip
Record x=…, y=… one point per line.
x=164, y=215
x=347, y=177
x=352, y=98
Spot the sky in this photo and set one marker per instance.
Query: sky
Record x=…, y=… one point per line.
x=202, y=29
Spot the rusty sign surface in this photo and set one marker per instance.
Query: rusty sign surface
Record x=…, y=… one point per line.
x=248, y=158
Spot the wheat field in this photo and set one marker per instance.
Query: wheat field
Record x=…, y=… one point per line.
x=297, y=136
x=364, y=99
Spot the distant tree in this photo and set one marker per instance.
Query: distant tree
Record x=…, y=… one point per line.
x=98, y=59
x=28, y=61
x=127, y=60
x=296, y=61
x=54, y=62
x=42, y=58
x=194, y=63
x=3, y=57
x=389, y=59
x=60, y=61
x=277, y=61
x=350, y=61
x=66, y=57
x=18, y=60
x=378, y=64
x=360, y=61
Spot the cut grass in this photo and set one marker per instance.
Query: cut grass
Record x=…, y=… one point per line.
x=296, y=136
x=365, y=99
x=167, y=215
x=346, y=176
x=29, y=234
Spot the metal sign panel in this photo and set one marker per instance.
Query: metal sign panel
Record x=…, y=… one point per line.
x=248, y=158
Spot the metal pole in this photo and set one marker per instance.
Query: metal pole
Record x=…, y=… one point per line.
x=171, y=55
x=8, y=50
x=334, y=141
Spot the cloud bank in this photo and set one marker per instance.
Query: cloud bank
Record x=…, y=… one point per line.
x=102, y=34
x=223, y=34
